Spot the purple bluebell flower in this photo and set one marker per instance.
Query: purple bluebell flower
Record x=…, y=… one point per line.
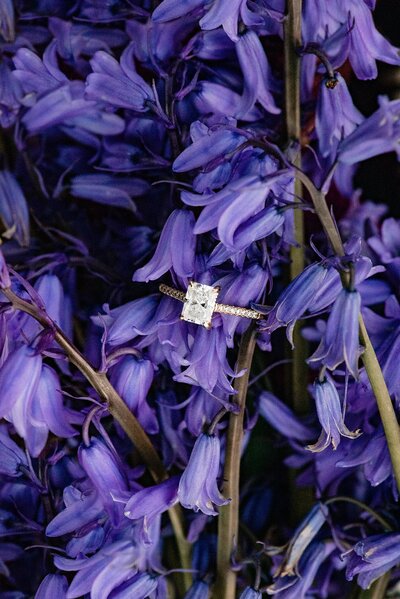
x=341, y=340
x=198, y=488
x=208, y=145
x=372, y=557
x=378, y=134
x=148, y=503
x=118, y=83
x=140, y=586
x=250, y=593
x=17, y=392
x=13, y=208
x=298, y=586
x=53, y=585
x=13, y=459
x=295, y=299
x=172, y=9
x=35, y=75
x=257, y=80
x=175, y=249
x=10, y=96
x=336, y=115
x=330, y=415
x=104, y=189
x=132, y=378
x=198, y=590
x=227, y=14
x=105, y=470
x=302, y=537
x=281, y=417
x=7, y=21
x=81, y=508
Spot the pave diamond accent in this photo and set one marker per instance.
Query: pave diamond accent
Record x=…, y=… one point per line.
x=199, y=304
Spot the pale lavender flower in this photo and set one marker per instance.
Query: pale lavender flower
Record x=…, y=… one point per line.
x=198, y=488
x=340, y=342
x=330, y=416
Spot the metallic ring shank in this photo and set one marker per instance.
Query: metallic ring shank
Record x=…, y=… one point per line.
x=221, y=308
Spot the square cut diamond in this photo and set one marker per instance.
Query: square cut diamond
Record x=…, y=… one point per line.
x=199, y=304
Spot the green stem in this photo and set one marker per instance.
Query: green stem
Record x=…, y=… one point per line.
x=362, y=506
x=292, y=41
x=120, y=411
x=228, y=520
x=369, y=358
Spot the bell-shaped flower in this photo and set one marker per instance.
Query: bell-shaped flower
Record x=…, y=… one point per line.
x=281, y=417
x=141, y=586
x=208, y=145
x=12, y=456
x=336, y=115
x=303, y=536
x=132, y=378
x=152, y=501
x=52, y=585
x=19, y=379
x=126, y=322
x=37, y=76
x=378, y=134
x=198, y=489
x=108, y=190
x=175, y=249
x=10, y=96
x=340, y=342
x=13, y=208
x=118, y=83
x=7, y=21
x=81, y=508
x=228, y=13
x=173, y=9
x=198, y=590
x=295, y=299
x=107, y=475
x=257, y=75
x=371, y=557
x=330, y=415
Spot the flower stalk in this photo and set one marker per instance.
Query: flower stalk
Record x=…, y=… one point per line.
x=228, y=520
x=119, y=410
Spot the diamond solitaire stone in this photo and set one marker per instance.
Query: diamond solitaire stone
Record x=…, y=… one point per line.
x=199, y=304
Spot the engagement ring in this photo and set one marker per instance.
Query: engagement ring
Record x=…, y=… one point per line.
x=200, y=302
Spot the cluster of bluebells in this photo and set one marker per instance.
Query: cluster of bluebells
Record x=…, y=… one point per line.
x=145, y=142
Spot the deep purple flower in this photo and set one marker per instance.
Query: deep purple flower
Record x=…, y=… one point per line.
x=105, y=470
x=12, y=456
x=175, y=249
x=336, y=115
x=140, y=586
x=118, y=83
x=132, y=378
x=81, y=508
x=330, y=415
x=228, y=13
x=104, y=189
x=258, y=79
x=207, y=146
x=340, y=342
x=198, y=488
x=172, y=9
x=10, y=96
x=7, y=21
x=53, y=585
x=13, y=208
x=372, y=557
x=37, y=76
